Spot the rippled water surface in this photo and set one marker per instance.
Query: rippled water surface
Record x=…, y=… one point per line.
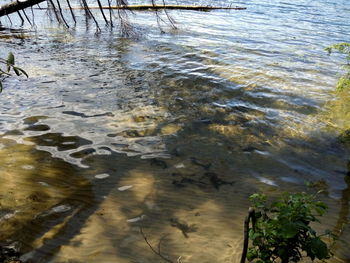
x=170, y=131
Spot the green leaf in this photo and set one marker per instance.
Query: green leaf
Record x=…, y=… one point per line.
x=11, y=59
x=289, y=230
x=319, y=248
x=21, y=70
x=16, y=71
x=343, y=83
x=251, y=254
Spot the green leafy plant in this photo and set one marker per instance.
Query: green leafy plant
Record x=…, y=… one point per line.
x=344, y=48
x=9, y=66
x=281, y=231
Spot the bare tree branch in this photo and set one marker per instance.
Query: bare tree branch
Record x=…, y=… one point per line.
x=15, y=6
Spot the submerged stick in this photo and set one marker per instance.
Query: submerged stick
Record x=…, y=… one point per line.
x=157, y=7
x=151, y=247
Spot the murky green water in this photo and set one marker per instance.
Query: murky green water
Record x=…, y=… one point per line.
x=170, y=132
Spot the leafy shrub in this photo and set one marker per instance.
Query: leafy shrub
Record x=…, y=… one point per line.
x=282, y=233
x=344, y=48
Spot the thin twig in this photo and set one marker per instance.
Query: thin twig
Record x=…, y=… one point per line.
x=110, y=13
x=33, y=17
x=151, y=247
x=61, y=14
x=88, y=11
x=101, y=10
x=54, y=10
x=21, y=17
x=25, y=14
x=171, y=20
x=71, y=11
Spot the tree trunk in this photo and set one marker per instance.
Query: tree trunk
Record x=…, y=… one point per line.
x=15, y=6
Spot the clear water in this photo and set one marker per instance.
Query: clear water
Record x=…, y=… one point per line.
x=170, y=132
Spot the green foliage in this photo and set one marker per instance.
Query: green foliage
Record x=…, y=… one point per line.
x=344, y=48
x=282, y=231
x=9, y=65
x=344, y=137
x=344, y=82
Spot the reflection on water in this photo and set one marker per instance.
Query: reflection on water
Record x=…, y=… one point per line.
x=170, y=132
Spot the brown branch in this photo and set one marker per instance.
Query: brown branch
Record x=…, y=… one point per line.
x=251, y=215
x=151, y=247
x=15, y=6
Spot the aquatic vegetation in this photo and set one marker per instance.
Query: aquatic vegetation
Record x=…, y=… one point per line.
x=281, y=231
x=344, y=137
x=344, y=48
x=9, y=67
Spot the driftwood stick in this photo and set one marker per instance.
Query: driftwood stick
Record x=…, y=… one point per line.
x=250, y=216
x=158, y=7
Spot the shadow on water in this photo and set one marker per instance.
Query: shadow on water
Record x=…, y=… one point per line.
x=197, y=198
x=223, y=144
x=37, y=192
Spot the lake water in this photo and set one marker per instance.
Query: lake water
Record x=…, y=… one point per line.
x=170, y=131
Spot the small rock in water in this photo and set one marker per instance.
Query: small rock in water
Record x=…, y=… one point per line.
x=266, y=181
x=135, y=219
x=179, y=166
x=28, y=167
x=61, y=209
x=43, y=184
x=101, y=176
x=125, y=187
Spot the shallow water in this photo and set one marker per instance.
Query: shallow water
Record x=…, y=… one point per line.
x=170, y=132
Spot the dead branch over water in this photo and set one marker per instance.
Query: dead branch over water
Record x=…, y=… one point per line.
x=170, y=7
x=16, y=6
